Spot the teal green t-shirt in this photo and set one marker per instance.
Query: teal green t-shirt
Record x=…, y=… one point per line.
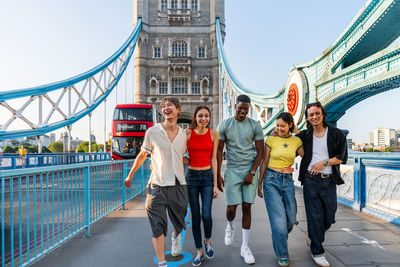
x=239, y=137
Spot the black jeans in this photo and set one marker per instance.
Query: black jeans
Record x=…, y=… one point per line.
x=200, y=184
x=321, y=205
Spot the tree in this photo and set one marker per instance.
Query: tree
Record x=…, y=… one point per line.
x=45, y=150
x=56, y=147
x=84, y=147
x=388, y=149
x=9, y=149
x=100, y=147
x=32, y=149
x=369, y=149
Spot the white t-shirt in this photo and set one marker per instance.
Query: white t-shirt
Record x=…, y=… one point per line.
x=320, y=152
x=166, y=156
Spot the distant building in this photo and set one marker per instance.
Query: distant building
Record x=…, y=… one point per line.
x=382, y=136
x=349, y=143
x=92, y=138
x=75, y=143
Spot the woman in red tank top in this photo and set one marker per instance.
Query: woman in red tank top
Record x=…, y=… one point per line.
x=201, y=178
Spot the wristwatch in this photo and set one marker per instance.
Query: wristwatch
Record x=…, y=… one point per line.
x=326, y=162
x=252, y=172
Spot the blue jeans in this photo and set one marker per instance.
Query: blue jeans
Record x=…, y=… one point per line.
x=200, y=184
x=282, y=208
x=321, y=204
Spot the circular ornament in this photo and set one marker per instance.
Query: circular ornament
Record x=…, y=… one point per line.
x=292, y=99
x=295, y=93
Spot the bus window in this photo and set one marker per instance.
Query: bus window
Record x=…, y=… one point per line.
x=128, y=114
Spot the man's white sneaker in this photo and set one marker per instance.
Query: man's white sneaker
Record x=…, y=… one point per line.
x=248, y=257
x=176, y=245
x=320, y=260
x=229, y=234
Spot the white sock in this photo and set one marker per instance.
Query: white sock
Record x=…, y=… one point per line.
x=245, y=235
x=231, y=224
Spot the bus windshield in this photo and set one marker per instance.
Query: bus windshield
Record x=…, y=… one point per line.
x=127, y=146
x=133, y=114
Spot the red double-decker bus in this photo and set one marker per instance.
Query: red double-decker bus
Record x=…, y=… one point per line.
x=129, y=125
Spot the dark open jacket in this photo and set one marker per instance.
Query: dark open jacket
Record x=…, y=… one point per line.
x=337, y=147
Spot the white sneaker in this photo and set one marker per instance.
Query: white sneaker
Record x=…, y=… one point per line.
x=320, y=260
x=248, y=257
x=229, y=234
x=176, y=247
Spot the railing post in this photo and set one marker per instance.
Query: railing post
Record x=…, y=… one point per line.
x=359, y=184
x=87, y=201
x=142, y=178
x=124, y=173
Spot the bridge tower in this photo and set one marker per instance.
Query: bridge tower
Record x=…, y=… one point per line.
x=177, y=55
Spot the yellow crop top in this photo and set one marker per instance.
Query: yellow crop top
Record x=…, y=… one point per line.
x=283, y=150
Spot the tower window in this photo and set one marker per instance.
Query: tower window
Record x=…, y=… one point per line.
x=179, y=49
x=164, y=5
x=195, y=5
x=157, y=52
x=196, y=88
x=179, y=86
x=184, y=4
x=201, y=52
x=162, y=88
x=174, y=4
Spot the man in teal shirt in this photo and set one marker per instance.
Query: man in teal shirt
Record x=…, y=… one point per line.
x=244, y=152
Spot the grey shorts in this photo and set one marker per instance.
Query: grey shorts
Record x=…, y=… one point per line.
x=162, y=198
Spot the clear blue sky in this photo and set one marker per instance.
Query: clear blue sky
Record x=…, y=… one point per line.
x=43, y=41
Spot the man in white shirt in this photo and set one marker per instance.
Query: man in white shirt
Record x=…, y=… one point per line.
x=166, y=190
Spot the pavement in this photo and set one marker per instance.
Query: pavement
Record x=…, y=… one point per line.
x=123, y=238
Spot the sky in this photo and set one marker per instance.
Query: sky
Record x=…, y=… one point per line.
x=45, y=41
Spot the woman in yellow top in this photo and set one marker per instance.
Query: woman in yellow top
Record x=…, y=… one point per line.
x=22, y=152
x=281, y=150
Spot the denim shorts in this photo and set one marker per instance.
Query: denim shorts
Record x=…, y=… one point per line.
x=199, y=177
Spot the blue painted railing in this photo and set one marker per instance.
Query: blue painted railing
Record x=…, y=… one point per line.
x=372, y=184
x=43, y=207
x=11, y=161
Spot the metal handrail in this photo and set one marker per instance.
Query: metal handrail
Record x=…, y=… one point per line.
x=43, y=207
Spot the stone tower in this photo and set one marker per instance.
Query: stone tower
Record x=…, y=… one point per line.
x=176, y=54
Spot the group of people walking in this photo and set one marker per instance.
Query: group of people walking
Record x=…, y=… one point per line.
x=322, y=148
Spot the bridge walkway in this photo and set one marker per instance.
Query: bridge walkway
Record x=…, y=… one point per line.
x=123, y=238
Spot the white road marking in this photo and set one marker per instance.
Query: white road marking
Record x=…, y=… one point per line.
x=373, y=243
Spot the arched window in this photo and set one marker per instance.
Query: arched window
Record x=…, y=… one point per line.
x=179, y=49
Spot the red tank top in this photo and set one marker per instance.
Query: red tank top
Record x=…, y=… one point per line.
x=200, y=149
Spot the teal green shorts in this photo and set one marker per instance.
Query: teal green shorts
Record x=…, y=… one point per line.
x=237, y=193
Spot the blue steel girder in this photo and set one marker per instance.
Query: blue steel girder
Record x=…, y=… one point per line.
x=359, y=64
x=371, y=76
x=374, y=28
x=63, y=103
